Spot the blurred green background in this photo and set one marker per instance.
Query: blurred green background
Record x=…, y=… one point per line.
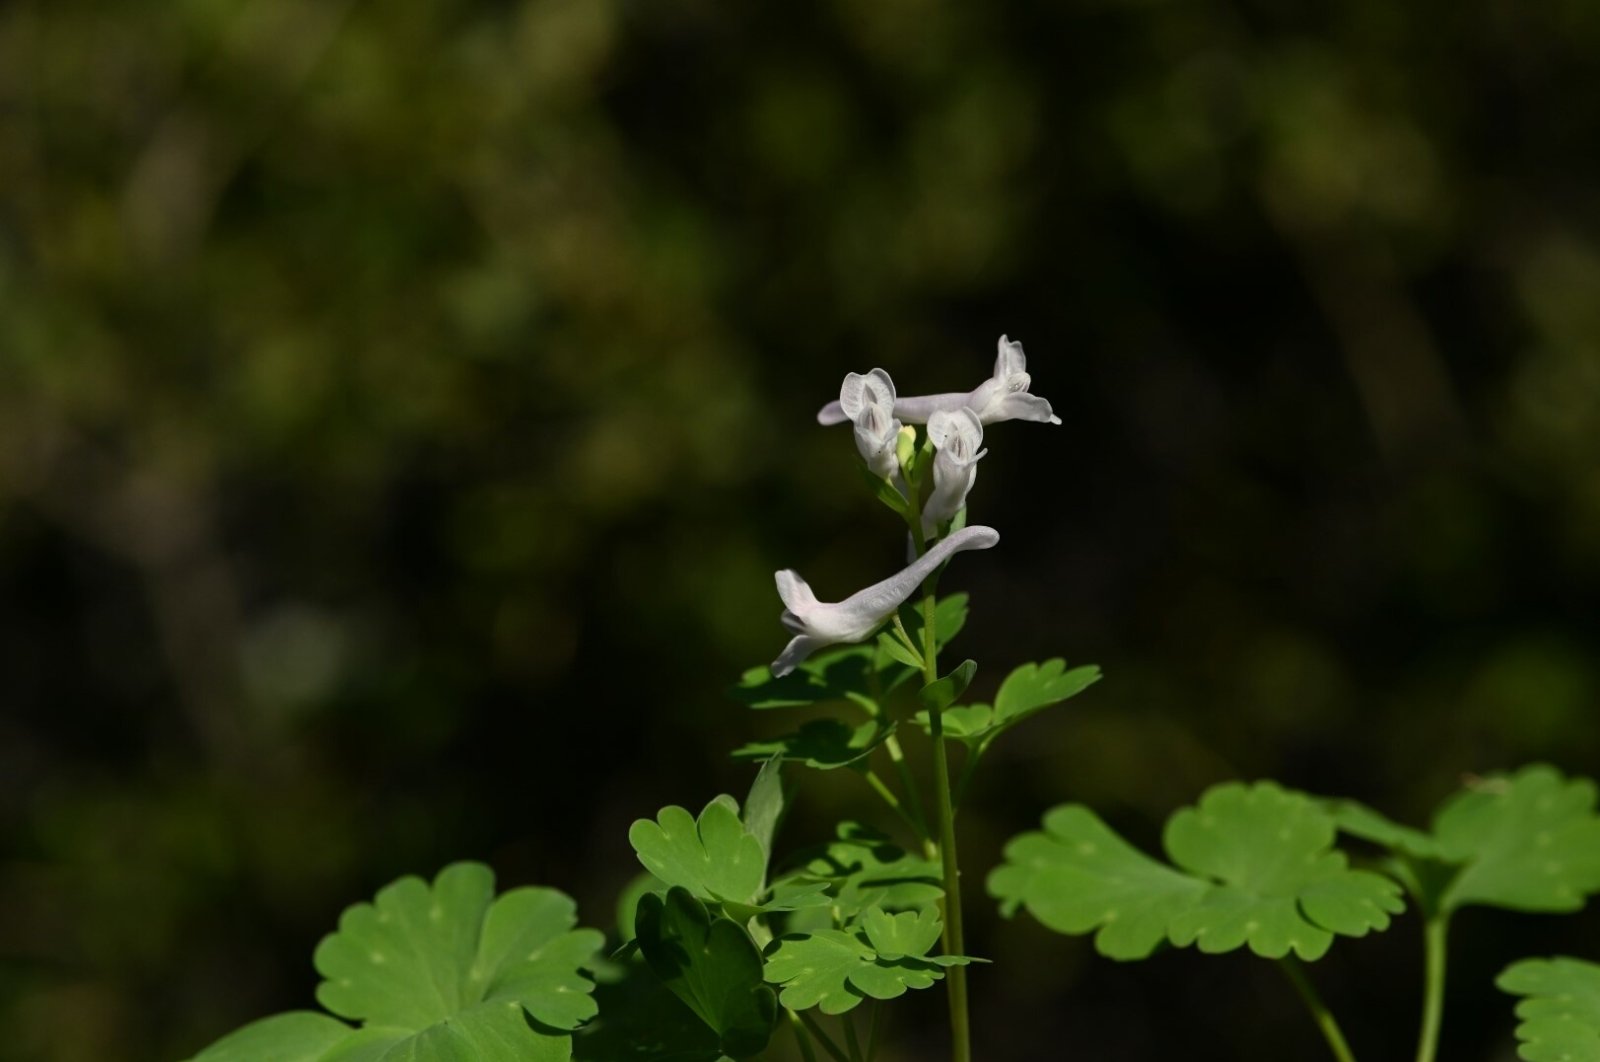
x=404, y=405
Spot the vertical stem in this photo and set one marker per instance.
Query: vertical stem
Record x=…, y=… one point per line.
x=852, y=1044
x=882, y=789
x=822, y=1038
x=954, y=937
x=891, y=745
x=1319, y=1010
x=873, y=1031
x=802, y=1038
x=1434, y=932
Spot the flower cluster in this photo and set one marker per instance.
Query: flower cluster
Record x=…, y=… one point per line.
x=885, y=438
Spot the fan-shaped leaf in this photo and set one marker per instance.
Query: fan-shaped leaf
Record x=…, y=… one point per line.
x=836, y=969
x=1560, y=1014
x=909, y=934
x=714, y=857
x=1034, y=687
x=865, y=869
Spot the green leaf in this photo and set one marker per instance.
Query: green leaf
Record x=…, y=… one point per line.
x=909, y=934
x=714, y=857
x=882, y=489
x=823, y=744
x=942, y=693
x=299, y=1036
x=835, y=970
x=417, y=956
x=864, y=869
x=1078, y=876
x=1358, y=820
x=1528, y=842
x=843, y=674
x=890, y=645
x=641, y=1020
x=628, y=901
x=1034, y=687
x=763, y=806
x=1560, y=1016
x=949, y=616
x=966, y=723
x=712, y=965
x=1258, y=870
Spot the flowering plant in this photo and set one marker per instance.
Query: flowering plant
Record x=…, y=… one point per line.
x=721, y=942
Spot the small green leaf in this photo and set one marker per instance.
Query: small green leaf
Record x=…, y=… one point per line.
x=907, y=935
x=843, y=674
x=641, y=1020
x=967, y=723
x=1260, y=872
x=941, y=694
x=712, y=965
x=1560, y=1016
x=823, y=744
x=713, y=857
x=1528, y=841
x=299, y=1036
x=835, y=970
x=949, y=616
x=1078, y=876
x=889, y=644
x=864, y=869
x=764, y=805
x=1033, y=687
x=418, y=955
x=1358, y=820
x=882, y=489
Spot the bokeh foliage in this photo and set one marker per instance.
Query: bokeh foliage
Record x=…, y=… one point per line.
x=403, y=407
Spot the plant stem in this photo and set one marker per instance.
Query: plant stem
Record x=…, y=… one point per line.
x=1319, y=1010
x=954, y=937
x=822, y=1038
x=882, y=789
x=850, y=1041
x=873, y=1031
x=801, y=1037
x=897, y=756
x=1434, y=931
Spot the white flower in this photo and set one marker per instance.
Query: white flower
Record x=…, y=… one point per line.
x=869, y=403
x=1004, y=396
x=819, y=623
x=956, y=438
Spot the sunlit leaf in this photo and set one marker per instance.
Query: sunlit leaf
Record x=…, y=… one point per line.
x=711, y=964
x=714, y=857
x=764, y=805
x=908, y=934
x=299, y=1036
x=864, y=869
x=1528, y=841
x=418, y=955
x=1560, y=1014
x=836, y=969
x=1034, y=687
x=821, y=743
x=1256, y=868
x=942, y=693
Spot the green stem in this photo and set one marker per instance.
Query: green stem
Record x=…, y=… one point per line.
x=1434, y=932
x=968, y=766
x=908, y=783
x=850, y=1041
x=873, y=1031
x=821, y=1037
x=882, y=789
x=1319, y=1010
x=954, y=937
x=801, y=1037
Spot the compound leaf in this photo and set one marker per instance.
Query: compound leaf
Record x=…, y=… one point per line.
x=1560, y=1014
x=906, y=935
x=1257, y=869
x=864, y=869
x=711, y=964
x=1528, y=841
x=715, y=857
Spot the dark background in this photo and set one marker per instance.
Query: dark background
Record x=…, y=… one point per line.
x=403, y=407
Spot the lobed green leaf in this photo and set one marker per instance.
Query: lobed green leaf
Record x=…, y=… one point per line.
x=1560, y=1011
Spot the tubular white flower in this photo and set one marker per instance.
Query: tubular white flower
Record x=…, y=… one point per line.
x=816, y=624
x=1004, y=396
x=869, y=402
x=956, y=438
